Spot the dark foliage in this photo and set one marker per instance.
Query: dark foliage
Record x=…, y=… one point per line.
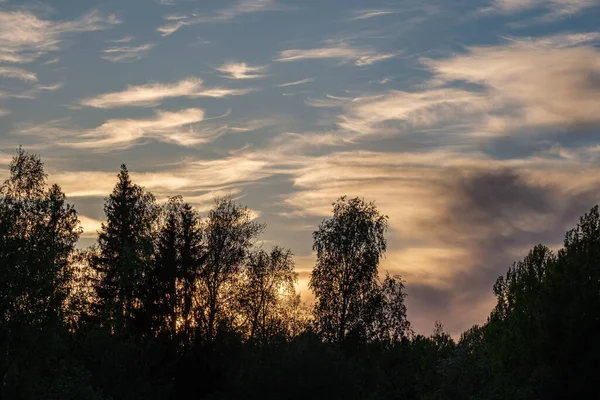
x=170, y=305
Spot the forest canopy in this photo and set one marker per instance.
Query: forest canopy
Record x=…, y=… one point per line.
x=168, y=303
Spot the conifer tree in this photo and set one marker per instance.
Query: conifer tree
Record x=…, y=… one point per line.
x=124, y=259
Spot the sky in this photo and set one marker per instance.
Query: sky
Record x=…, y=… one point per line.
x=472, y=124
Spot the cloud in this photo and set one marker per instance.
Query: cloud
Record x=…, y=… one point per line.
x=360, y=55
x=514, y=5
x=199, y=181
x=328, y=102
x=234, y=70
x=364, y=14
x=554, y=9
x=294, y=83
x=18, y=73
x=225, y=14
x=411, y=111
x=372, y=59
x=125, y=54
x=543, y=83
x=180, y=128
x=151, y=94
x=50, y=88
x=186, y=128
x=125, y=39
x=24, y=37
x=90, y=226
x=458, y=219
x=52, y=61
x=539, y=85
x=4, y=112
x=562, y=40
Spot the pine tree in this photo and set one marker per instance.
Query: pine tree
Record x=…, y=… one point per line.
x=124, y=257
x=178, y=262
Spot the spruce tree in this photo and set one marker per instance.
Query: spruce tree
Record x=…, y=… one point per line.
x=124, y=257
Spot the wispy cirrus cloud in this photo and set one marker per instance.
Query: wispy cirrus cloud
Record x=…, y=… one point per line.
x=553, y=9
x=50, y=88
x=552, y=82
x=237, y=70
x=365, y=14
x=299, y=82
x=24, y=37
x=199, y=181
x=540, y=83
x=562, y=40
x=368, y=115
x=151, y=94
x=126, y=54
x=225, y=14
x=185, y=128
x=361, y=56
x=18, y=73
x=52, y=61
x=372, y=59
x=179, y=127
x=124, y=39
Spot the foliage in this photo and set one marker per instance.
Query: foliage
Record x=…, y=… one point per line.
x=349, y=246
x=167, y=305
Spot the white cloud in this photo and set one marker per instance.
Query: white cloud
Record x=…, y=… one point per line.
x=412, y=110
x=555, y=41
x=151, y=94
x=24, y=37
x=226, y=14
x=125, y=39
x=18, y=73
x=372, y=59
x=328, y=102
x=124, y=54
x=364, y=14
x=178, y=127
x=199, y=181
x=186, y=128
x=543, y=82
x=90, y=226
x=534, y=85
x=294, y=83
x=515, y=5
x=50, y=88
x=235, y=70
x=342, y=51
x=4, y=112
x=52, y=61
x=554, y=9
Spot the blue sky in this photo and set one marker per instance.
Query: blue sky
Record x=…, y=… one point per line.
x=473, y=124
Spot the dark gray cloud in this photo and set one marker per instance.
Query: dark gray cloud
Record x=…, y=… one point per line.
x=495, y=215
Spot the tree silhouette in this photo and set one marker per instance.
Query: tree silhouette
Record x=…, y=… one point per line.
x=124, y=257
x=349, y=246
x=38, y=233
x=229, y=233
x=265, y=282
x=386, y=313
x=179, y=261
x=167, y=304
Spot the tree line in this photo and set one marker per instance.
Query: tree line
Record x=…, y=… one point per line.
x=171, y=304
